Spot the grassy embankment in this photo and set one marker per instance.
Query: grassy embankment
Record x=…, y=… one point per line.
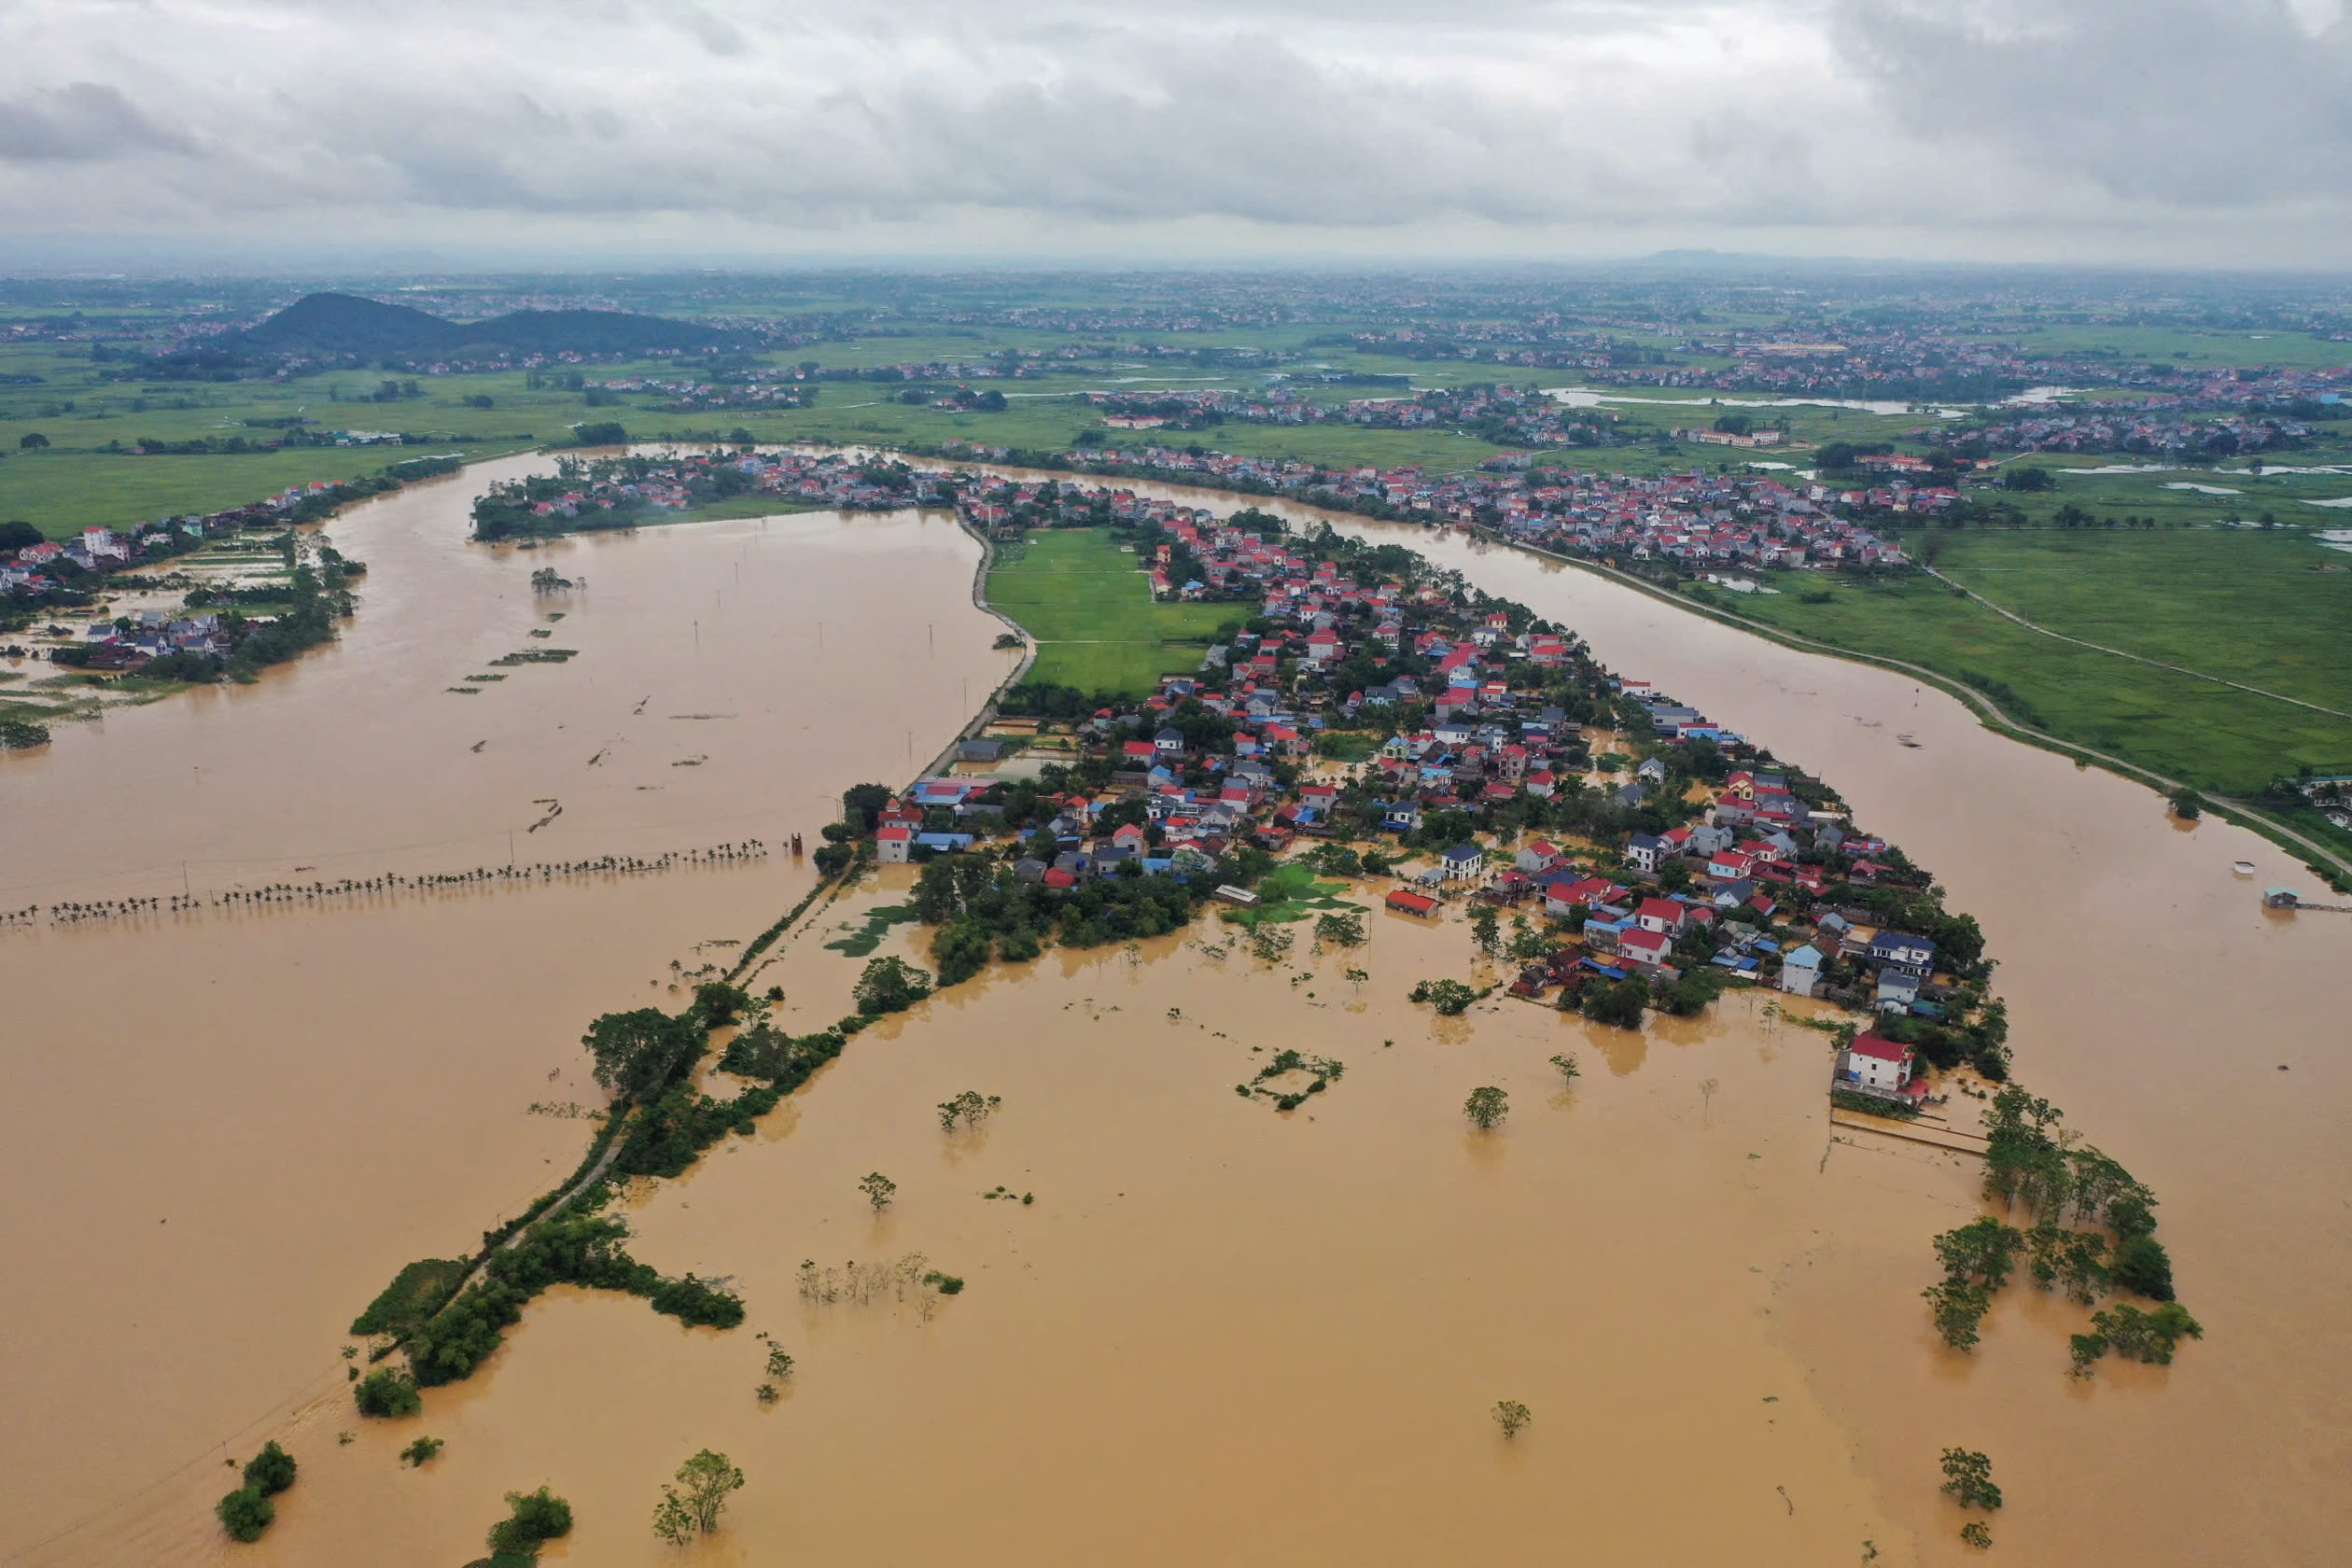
x=1089, y=607
x=2243, y=607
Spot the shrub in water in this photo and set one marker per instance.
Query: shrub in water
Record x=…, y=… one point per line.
x=388, y=1392
x=271, y=1469
x=246, y=1512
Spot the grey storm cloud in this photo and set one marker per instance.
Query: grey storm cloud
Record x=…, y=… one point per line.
x=2213, y=104
x=78, y=124
x=1541, y=117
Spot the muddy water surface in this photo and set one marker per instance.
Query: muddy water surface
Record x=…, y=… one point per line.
x=1220, y=1332
x=226, y=1129
x=2190, y=1034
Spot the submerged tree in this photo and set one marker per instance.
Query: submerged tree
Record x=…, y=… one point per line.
x=1339, y=929
x=879, y=1189
x=1485, y=931
x=533, y=1520
x=271, y=1469
x=890, y=985
x=1487, y=1106
x=1968, y=1478
x=1510, y=1414
x=640, y=1050
x=694, y=1505
x=971, y=1107
x=246, y=1512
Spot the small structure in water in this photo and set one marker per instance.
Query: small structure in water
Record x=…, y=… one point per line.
x=2243, y=868
x=796, y=846
x=2288, y=899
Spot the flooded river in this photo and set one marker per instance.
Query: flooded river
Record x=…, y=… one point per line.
x=226, y=1129
x=1219, y=1334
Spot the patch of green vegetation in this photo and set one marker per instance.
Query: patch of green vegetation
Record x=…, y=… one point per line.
x=416, y=1294
x=868, y=935
x=1289, y=893
x=2243, y=606
x=1089, y=607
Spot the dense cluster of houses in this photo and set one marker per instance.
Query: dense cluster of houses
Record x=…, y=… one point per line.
x=2150, y=433
x=1748, y=519
x=129, y=641
x=1474, y=779
x=1500, y=413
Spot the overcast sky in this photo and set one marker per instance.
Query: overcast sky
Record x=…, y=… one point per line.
x=2157, y=132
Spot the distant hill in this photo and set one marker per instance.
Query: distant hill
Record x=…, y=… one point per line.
x=347, y=324
x=336, y=324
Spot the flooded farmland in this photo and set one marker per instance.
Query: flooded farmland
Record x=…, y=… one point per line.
x=1219, y=1333
x=229, y=1126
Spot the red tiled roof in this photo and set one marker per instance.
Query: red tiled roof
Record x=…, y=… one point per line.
x=1879, y=1046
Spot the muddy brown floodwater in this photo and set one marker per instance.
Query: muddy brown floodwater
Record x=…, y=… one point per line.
x=1220, y=1332
x=225, y=1130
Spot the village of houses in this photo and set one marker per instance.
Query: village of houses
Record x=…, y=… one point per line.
x=35, y=573
x=1742, y=879
x=1638, y=862
x=1697, y=519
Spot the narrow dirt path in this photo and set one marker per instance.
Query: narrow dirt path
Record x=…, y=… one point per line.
x=2117, y=652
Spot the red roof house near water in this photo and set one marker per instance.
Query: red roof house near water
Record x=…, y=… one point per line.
x=1412, y=902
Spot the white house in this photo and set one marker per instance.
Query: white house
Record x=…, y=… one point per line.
x=1463, y=862
x=1642, y=851
x=891, y=844
x=1897, y=990
x=1660, y=916
x=1800, y=970
x=1875, y=1062
x=1646, y=946
x=1914, y=954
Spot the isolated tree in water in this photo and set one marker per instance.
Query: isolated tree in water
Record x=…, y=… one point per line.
x=879, y=1189
x=1968, y=1477
x=1510, y=1414
x=1487, y=1106
x=1485, y=930
x=693, y=1507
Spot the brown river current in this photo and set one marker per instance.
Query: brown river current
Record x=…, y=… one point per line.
x=1219, y=1334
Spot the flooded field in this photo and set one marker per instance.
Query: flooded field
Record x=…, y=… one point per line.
x=227, y=1128
x=1220, y=1332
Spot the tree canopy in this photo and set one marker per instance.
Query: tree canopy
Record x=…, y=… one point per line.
x=640, y=1050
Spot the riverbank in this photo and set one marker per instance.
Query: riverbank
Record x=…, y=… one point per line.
x=2330, y=862
x=2325, y=862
